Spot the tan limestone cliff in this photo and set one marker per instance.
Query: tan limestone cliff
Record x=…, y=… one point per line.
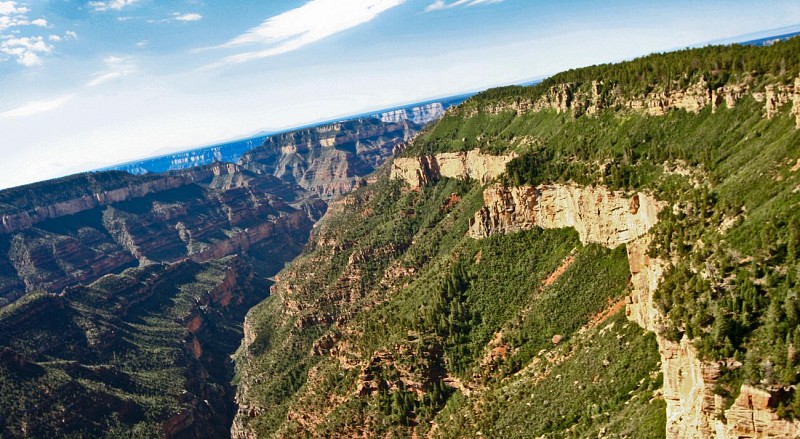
x=796, y=101
x=599, y=215
x=418, y=171
x=611, y=218
x=570, y=98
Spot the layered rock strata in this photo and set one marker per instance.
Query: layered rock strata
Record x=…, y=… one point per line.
x=330, y=160
x=418, y=171
x=27, y=218
x=610, y=218
x=204, y=213
x=573, y=99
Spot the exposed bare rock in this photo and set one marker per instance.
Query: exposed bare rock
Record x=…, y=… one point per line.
x=776, y=97
x=330, y=160
x=753, y=415
x=728, y=94
x=611, y=219
x=576, y=100
x=418, y=171
x=420, y=115
x=56, y=240
x=598, y=214
x=796, y=101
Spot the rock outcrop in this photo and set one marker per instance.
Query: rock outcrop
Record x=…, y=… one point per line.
x=599, y=215
x=610, y=218
x=418, y=171
x=577, y=100
x=75, y=230
x=796, y=101
x=330, y=160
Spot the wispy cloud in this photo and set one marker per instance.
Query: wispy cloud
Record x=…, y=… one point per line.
x=36, y=107
x=307, y=24
x=116, y=67
x=442, y=4
x=188, y=17
x=116, y=5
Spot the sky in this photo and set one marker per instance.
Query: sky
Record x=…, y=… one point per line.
x=91, y=83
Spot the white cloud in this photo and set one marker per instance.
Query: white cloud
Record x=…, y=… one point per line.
x=70, y=35
x=442, y=4
x=188, y=17
x=116, y=5
x=307, y=24
x=116, y=67
x=12, y=8
x=36, y=107
x=9, y=22
x=26, y=50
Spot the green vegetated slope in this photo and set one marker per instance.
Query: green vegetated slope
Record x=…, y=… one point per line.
x=398, y=310
x=394, y=322
x=732, y=177
x=141, y=354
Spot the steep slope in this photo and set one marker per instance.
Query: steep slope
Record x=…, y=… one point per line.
x=73, y=230
x=330, y=160
x=144, y=353
x=655, y=196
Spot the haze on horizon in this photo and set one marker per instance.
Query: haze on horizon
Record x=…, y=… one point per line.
x=88, y=84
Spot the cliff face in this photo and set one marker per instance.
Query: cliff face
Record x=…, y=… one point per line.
x=330, y=160
x=599, y=215
x=204, y=213
x=611, y=219
x=418, y=171
x=569, y=98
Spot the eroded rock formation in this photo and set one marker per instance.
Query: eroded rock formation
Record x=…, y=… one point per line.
x=75, y=230
x=611, y=218
x=570, y=98
x=599, y=215
x=418, y=171
x=330, y=160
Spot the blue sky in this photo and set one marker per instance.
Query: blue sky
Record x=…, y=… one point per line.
x=87, y=83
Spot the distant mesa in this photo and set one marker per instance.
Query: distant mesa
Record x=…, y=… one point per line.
x=418, y=115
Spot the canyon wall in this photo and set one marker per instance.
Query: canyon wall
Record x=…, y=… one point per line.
x=91, y=335
x=421, y=115
x=611, y=218
x=417, y=114
x=204, y=213
x=418, y=171
x=64, y=206
x=330, y=160
x=569, y=98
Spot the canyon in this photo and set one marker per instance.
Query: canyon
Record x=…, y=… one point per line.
x=607, y=254
x=412, y=118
